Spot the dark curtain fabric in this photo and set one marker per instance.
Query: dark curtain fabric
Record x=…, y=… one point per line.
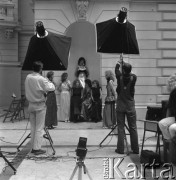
x=52, y=50
x=114, y=37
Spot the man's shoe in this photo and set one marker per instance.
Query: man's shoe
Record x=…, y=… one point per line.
x=37, y=152
x=134, y=152
x=119, y=152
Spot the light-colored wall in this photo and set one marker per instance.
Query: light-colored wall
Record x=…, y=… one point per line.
x=26, y=16
x=10, y=75
x=155, y=29
x=83, y=45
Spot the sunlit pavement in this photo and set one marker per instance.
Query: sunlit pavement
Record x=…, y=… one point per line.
x=99, y=161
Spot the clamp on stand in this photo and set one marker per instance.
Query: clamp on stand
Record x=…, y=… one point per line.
x=79, y=165
x=46, y=136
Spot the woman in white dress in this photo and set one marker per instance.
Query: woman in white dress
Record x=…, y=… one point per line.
x=64, y=89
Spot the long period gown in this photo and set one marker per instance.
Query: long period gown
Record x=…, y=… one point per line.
x=64, y=102
x=51, y=111
x=76, y=102
x=109, y=115
x=96, y=105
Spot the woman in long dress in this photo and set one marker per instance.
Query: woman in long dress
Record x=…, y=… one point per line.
x=97, y=102
x=64, y=89
x=51, y=111
x=87, y=99
x=75, y=105
x=109, y=115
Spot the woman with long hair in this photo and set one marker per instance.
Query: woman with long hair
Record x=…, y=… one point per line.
x=109, y=115
x=64, y=89
x=51, y=104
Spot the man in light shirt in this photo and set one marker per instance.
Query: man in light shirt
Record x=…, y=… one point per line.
x=36, y=87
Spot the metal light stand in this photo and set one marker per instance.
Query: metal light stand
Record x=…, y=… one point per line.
x=1, y=155
x=46, y=136
x=79, y=165
x=112, y=134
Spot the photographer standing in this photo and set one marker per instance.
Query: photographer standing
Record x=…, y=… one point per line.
x=126, y=106
x=36, y=87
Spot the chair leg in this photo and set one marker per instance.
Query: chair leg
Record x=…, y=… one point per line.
x=166, y=144
x=143, y=140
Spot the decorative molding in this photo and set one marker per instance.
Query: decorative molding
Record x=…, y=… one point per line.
x=82, y=7
x=10, y=64
x=7, y=10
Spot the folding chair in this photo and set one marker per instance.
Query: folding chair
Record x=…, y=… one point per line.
x=153, y=115
x=16, y=109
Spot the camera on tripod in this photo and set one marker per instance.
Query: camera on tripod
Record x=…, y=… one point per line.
x=81, y=150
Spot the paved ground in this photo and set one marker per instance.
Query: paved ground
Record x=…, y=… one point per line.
x=61, y=165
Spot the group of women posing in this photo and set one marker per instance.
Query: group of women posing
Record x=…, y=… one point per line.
x=82, y=100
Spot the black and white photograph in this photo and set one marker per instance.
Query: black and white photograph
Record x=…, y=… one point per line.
x=87, y=89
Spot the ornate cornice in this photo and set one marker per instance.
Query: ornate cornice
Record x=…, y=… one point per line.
x=82, y=7
x=7, y=18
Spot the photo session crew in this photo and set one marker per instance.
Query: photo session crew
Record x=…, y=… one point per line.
x=36, y=88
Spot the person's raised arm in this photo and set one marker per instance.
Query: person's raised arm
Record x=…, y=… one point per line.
x=47, y=85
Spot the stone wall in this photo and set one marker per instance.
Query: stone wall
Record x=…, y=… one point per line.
x=155, y=29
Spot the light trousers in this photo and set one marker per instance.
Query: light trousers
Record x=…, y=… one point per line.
x=37, y=121
x=168, y=127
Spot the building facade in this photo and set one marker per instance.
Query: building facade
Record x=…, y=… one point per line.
x=154, y=20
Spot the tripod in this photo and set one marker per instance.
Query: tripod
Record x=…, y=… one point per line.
x=112, y=134
x=1, y=155
x=46, y=136
x=80, y=164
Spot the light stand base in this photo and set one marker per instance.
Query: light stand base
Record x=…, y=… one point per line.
x=46, y=136
x=112, y=134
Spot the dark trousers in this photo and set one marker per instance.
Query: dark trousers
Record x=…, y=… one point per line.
x=131, y=119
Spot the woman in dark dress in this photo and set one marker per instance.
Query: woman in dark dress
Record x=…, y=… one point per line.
x=97, y=102
x=87, y=100
x=51, y=110
x=109, y=113
x=75, y=105
x=82, y=68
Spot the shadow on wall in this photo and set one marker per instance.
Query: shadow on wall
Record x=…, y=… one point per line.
x=83, y=45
